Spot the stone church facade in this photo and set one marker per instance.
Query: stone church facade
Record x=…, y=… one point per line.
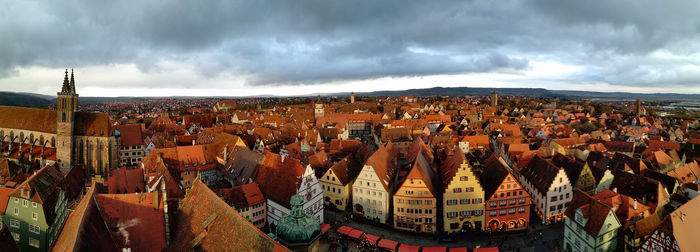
x=64, y=136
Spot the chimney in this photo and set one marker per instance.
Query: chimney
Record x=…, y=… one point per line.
x=192, y=142
x=634, y=204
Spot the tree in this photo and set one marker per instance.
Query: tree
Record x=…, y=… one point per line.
x=366, y=245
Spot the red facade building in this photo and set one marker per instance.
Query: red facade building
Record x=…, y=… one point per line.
x=507, y=203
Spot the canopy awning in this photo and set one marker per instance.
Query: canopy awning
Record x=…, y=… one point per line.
x=434, y=249
x=408, y=248
x=345, y=230
x=489, y=249
x=462, y=249
x=387, y=244
x=354, y=233
x=325, y=227
x=372, y=238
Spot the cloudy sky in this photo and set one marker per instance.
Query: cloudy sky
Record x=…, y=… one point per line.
x=213, y=48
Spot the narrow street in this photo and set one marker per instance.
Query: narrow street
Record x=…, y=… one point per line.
x=529, y=240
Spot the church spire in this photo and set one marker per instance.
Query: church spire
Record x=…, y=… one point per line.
x=66, y=85
x=72, y=82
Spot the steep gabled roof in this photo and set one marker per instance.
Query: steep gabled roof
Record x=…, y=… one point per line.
x=541, y=173
x=44, y=186
x=130, y=134
x=571, y=165
x=450, y=166
x=92, y=124
x=243, y=164
x=421, y=170
x=595, y=211
x=85, y=230
x=242, y=196
x=126, y=181
x=493, y=175
x=382, y=161
x=347, y=169
x=139, y=214
x=33, y=119
x=206, y=223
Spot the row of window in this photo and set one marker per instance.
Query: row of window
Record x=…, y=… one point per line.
x=331, y=188
x=414, y=202
x=465, y=213
x=402, y=219
x=459, y=189
x=32, y=242
x=561, y=197
x=464, y=201
x=32, y=228
x=374, y=193
x=494, y=203
x=414, y=210
x=509, y=211
x=508, y=194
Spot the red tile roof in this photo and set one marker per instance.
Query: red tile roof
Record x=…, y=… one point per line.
x=278, y=179
x=92, y=124
x=44, y=187
x=34, y=119
x=593, y=210
x=85, y=230
x=130, y=134
x=126, y=181
x=4, y=198
x=138, y=217
x=242, y=196
x=383, y=163
x=207, y=223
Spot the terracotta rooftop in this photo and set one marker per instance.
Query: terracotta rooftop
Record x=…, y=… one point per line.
x=383, y=163
x=34, y=119
x=4, y=198
x=126, y=181
x=687, y=173
x=44, y=186
x=685, y=221
x=450, y=166
x=242, y=164
x=136, y=219
x=207, y=223
x=541, y=173
x=84, y=229
x=593, y=210
x=279, y=179
x=242, y=196
x=347, y=169
x=130, y=134
x=92, y=124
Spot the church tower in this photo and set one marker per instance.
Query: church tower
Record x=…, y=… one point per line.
x=494, y=99
x=66, y=105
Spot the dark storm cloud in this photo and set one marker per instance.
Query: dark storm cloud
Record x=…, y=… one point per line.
x=307, y=42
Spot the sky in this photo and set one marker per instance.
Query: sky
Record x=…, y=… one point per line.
x=241, y=48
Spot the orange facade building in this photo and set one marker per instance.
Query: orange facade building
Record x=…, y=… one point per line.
x=507, y=205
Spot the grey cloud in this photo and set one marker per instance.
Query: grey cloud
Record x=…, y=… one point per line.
x=308, y=42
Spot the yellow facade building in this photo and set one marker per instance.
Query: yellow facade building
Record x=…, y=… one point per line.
x=463, y=196
x=337, y=183
x=414, y=201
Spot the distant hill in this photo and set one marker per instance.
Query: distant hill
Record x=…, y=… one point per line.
x=37, y=100
x=25, y=99
x=531, y=92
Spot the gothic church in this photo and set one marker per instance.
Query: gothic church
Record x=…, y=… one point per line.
x=34, y=137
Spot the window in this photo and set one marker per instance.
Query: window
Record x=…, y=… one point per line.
x=428, y=202
x=14, y=223
x=457, y=190
x=553, y=199
x=25, y=203
x=35, y=216
x=493, y=213
x=511, y=202
x=521, y=209
x=552, y=208
x=451, y=202
x=16, y=211
x=451, y=214
x=493, y=203
x=464, y=201
x=16, y=200
x=463, y=178
x=521, y=200
x=503, y=202
x=511, y=210
x=34, y=229
x=476, y=201
x=465, y=213
x=16, y=236
x=33, y=242
x=428, y=220
x=502, y=212
x=470, y=189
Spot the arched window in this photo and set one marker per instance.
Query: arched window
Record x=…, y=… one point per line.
x=63, y=117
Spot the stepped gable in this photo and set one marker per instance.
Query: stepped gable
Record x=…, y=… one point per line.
x=540, y=172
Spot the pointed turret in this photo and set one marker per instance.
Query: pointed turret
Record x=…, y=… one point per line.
x=72, y=82
x=66, y=84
